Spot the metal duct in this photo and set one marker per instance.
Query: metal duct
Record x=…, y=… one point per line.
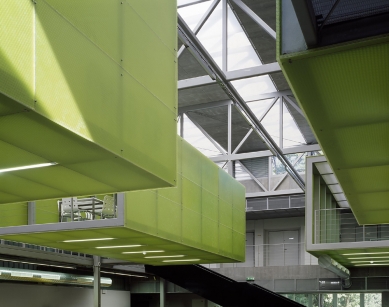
x=50, y=277
x=330, y=264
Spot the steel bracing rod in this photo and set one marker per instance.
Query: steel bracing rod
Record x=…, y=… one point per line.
x=243, y=140
x=255, y=17
x=201, y=23
x=210, y=138
x=191, y=3
x=294, y=105
x=187, y=36
x=252, y=176
x=329, y=14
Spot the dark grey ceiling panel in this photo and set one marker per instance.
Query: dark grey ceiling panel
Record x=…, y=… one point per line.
x=189, y=67
x=198, y=95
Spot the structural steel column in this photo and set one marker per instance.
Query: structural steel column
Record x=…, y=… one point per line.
x=162, y=292
x=96, y=281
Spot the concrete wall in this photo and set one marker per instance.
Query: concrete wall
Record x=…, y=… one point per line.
x=260, y=228
x=16, y=295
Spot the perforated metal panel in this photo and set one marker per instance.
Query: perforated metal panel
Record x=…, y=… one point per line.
x=348, y=9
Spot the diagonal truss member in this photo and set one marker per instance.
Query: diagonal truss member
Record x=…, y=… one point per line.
x=194, y=46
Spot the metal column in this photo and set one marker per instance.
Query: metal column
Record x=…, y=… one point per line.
x=96, y=281
x=162, y=292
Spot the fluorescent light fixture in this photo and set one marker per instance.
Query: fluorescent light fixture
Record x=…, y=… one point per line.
x=376, y=253
x=366, y=264
x=380, y=257
x=175, y=256
x=86, y=240
x=143, y=252
x=119, y=246
x=371, y=261
x=181, y=260
x=123, y=274
x=291, y=238
x=19, y=168
x=43, y=264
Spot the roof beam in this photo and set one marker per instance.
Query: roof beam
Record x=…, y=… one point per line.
x=231, y=75
x=207, y=105
x=191, y=3
x=195, y=47
x=265, y=153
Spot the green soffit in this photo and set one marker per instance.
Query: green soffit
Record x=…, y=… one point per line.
x=344, y=93
x=91, y=87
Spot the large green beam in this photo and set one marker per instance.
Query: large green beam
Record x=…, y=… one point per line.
x=92, y=86
x=343, y=92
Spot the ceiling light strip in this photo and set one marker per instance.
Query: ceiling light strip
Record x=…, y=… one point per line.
x=119, y=246
x=87, y=240
x=19, y=168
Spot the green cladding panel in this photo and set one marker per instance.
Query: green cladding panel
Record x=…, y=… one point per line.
x=194, y=222
x=92, y=86
x=343, y=91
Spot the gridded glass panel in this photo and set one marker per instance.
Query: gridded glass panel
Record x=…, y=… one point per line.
x=256, y=204
x=297, y=201
x=278, y=203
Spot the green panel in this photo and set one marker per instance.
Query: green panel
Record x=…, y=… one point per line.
x=239, y=220
x=210, y=176
x=156, y=69
x=141, y=211
x=191, y=227
x=225, y=191
x=46, y=211
x=157, y=142
x=169, y=219
x=16, y=51
x=225, y=240
x=174, y=194
x=94, y=19
x=210, y=234
x=161, y=24
x=13, y=214
x=225, y=213
x=191, y=195
x=191, y=163
x=239, y=197
x=210, y=205
x=239, y=245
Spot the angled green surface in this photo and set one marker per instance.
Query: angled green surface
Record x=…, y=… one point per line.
x=202, y=218
x=343, y=91
x=81, y=85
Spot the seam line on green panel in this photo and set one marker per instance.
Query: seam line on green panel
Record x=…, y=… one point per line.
x=1, y=191
x=174, y=53
x=39, y=183
x=112, y=59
